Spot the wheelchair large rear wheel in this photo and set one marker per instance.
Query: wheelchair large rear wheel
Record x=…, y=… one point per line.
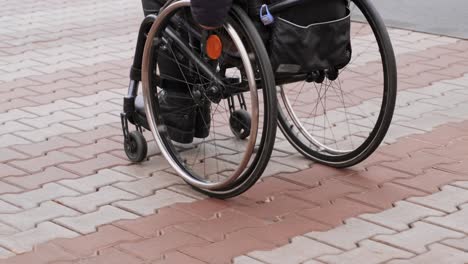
x=215, y=83
x=339, y=120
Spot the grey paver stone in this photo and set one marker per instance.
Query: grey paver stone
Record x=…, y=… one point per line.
x=88, y=223
x=299, y=250
x=148, y=205
x=399, y=217
x=31, y=199
x=348, y=235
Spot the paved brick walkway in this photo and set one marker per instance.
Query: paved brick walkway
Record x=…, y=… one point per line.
x=69, y=195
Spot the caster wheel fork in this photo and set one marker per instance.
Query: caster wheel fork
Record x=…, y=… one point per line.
x=135, y=145
x=240, y=120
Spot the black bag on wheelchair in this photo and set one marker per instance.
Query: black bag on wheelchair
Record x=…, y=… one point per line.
x=311, y=36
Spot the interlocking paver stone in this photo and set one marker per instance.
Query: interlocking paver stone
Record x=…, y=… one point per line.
x=297, y=161
x=461, y=184
x=431, y=180
x=91, y=166
x=225, y=222
x=6, y=170
x=416, y=109
x=92, y=122
x=47, y=109
x=42, y=134
x=334, y=214
x=177, y=257
x=153, y=248
x=300, y=250
x=6, y=188
x=399, y=217
x=373, y=176
x=446, y=200
x=441, y=135
x=89, y=244
x=14, y=114
x=461, y=244
x=87, y=223
x=437, y=254
x=147, y=186
x=90, y=202
x=44, y=253
x=348, y=235
x=386, y=195
x=456, y=221
x=24, y=241
x=145, y=169
x=92, y=183
x=418, y=237
x=36, y=180
x=13, y=126
x=328, y=191
x=148, y=205
x=8, y=208
x=187, y=191
x=418, y=162
x=27, y=219
x=111, y=255
x=90, y=111
x=40, y=148
x=89, y=137
x=41, y=162
x=428, y=121
x=95, y=98
x=90, y=151
x=46, y=121
x=4, y=253
x=7, y=230
x=33, y=198
x=368, y=252
x=246, y=260
x=9, y=154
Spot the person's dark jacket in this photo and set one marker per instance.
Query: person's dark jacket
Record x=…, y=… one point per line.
x=208, y=13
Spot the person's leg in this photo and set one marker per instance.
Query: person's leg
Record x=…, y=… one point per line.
x=181, y=115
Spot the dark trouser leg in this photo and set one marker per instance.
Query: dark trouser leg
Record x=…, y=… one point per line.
x=168, y=66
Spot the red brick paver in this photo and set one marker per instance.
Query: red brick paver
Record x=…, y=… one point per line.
x=216, y=231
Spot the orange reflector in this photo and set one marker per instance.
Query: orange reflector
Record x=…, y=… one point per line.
x=214, y=47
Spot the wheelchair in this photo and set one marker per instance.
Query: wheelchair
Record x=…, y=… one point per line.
x=334, y=116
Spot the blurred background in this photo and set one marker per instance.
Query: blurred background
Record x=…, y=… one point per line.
x=446, y=17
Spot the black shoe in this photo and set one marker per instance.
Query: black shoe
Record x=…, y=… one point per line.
x=178, y=113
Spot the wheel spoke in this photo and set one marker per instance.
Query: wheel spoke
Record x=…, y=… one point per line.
x=336, y=121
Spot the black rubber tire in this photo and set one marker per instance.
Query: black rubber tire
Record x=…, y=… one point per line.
x=136, y=147
x=388, y=102
x=239, y=122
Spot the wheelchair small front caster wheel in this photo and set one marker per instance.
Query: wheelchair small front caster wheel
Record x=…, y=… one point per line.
x=240, y=123
x=136, y=147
